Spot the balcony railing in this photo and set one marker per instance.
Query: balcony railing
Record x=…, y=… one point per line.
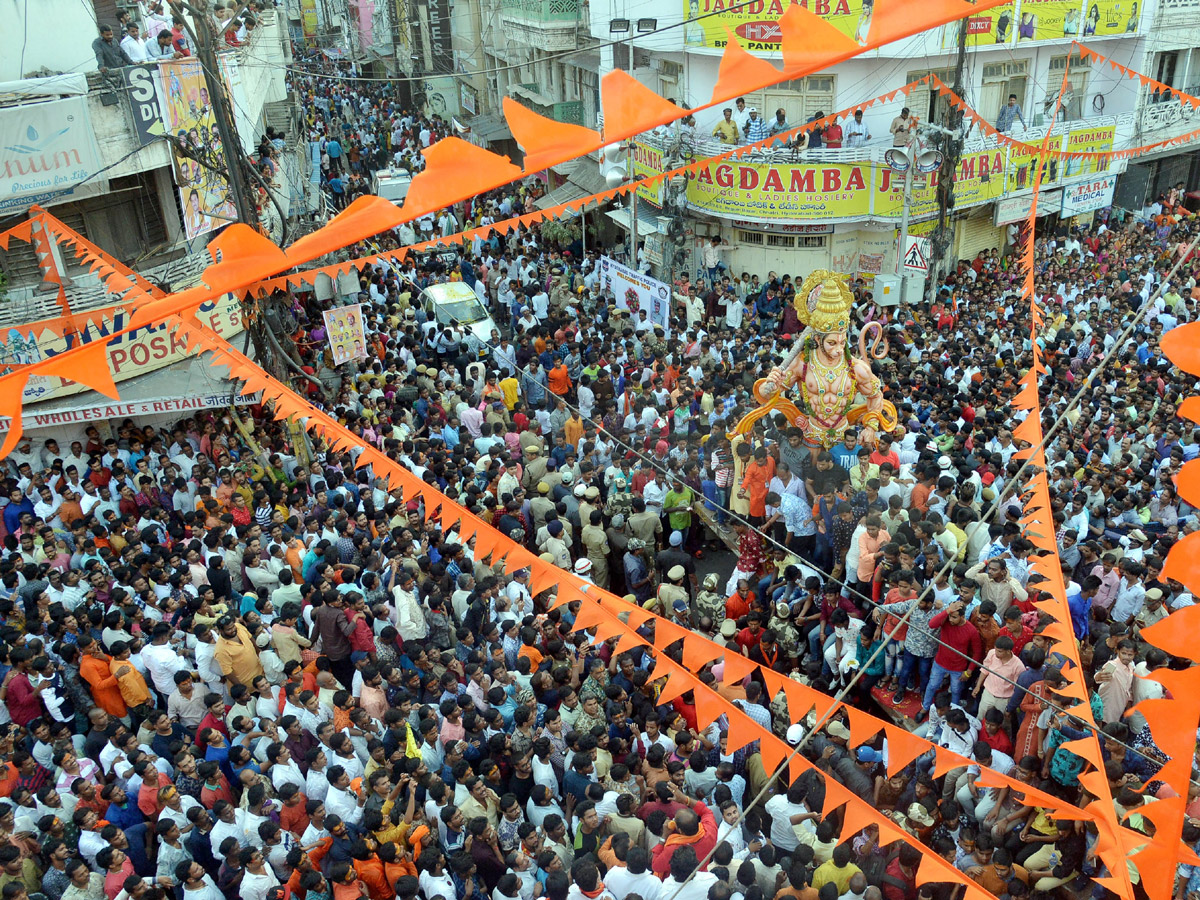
x=1168, y=115
x=700, y=146
x=549, y=11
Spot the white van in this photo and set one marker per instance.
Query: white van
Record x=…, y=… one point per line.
x=391, y=184
x=456, y=301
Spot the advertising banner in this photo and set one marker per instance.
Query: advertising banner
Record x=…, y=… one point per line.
x=1016, y=209
x=634, y=292
x=344, y=328
x=757, y=23
x=308, y=20
x=988, y=29
x=1088, y=196
x=1049, y=20
x=1089, y=140
x=46, y=149
x=1103, y=18
x=136, y=353
x=142, y=84
x=1022, y=160
x=980, y=179
x=187, y=114
x=131, y=409
x=765, y=193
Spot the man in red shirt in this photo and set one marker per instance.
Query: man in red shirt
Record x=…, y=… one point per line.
x=20, y=696
x=693, y=826
x=900, y=877
x=959, y=652
x=749, y=636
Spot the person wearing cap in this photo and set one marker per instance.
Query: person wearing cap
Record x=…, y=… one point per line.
x=595, y=544
x=708, y=602
x=556, y=546
x=583, y=570
x=674, y=555
x=639, y=580
x=672, y=591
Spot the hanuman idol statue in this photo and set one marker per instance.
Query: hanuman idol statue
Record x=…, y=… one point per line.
x=825, y=380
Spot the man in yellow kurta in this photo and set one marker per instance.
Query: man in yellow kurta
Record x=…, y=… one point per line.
x=236, y=653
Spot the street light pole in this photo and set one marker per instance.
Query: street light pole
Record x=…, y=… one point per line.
x=904, y=214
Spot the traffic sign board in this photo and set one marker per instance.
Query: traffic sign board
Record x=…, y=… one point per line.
x=916, y=254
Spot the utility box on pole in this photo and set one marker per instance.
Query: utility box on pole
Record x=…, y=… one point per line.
x=887, y=290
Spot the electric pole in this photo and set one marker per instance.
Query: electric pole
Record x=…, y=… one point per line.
x=264, y=317
x=951, y=146
x=203, y=30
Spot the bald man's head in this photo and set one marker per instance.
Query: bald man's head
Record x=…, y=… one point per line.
x=687, y=822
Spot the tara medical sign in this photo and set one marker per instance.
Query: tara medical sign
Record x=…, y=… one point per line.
x=1088, y=195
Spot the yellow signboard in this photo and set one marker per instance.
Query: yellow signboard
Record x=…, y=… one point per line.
x=647, y=161
x=1049, y=20
x=987, y=29
x=135, y=353
x=980, y=179
x=1021, y=166
x=756, y=23
x=1107, y=17
x=1089, y=140
x=308, y=21
x=766, y=193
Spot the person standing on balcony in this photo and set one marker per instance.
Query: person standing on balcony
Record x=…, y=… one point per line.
x=1010, y=113
x=901, y=127
x=109, y=54
x=741, y=114
x=162, y=47
x=833, y=135
x=857, y=131
x=726, y=130
x=756, y=128
x=778, y=126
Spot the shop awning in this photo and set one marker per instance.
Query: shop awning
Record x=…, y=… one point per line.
x=489, y=128
x=582, y=181
x=647, y=218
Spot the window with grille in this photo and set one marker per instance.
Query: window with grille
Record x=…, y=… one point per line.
x=621, y=57
x=751, y=237
x=1077, y=81
x=813, y=241
x=800, y=98
x=781, y=241
x=925, y=102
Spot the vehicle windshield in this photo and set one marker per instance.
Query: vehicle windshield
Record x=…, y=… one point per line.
x=466, y=310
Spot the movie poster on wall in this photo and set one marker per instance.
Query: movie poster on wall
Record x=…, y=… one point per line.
x=188, y=116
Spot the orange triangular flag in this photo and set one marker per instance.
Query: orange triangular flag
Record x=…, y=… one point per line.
x=631, y=108
x=87, y=365
x=544, y=140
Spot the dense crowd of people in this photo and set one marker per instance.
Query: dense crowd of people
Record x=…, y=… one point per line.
x=227, y=673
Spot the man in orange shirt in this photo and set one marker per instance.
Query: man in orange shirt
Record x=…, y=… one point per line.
x=558, y=379
x=130, y=683
x=759, y=472
x=94, y=666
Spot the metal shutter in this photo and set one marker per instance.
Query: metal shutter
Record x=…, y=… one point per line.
x=977, y=233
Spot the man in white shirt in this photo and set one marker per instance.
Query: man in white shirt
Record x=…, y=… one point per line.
x=163, y=660
x=134, y=45
x=788, y=811
x=856, y=131
x=340, y=801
